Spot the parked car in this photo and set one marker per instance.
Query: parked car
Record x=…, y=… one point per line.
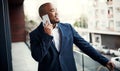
x=105, y=50
x=115, y=52
x=101, y=48
x=116, y=61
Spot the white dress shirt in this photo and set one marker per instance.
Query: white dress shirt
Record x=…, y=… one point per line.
x=56, y=37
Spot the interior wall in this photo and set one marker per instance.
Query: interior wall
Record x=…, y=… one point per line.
x=17, y=22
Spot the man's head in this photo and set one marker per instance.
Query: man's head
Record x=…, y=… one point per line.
x=48, y=8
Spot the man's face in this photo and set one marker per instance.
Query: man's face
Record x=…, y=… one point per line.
x=52, y=13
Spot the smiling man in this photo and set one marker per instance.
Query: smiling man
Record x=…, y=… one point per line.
x=52, y=44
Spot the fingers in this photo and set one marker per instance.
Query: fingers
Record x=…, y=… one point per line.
x=48, y=28
x=110, y=66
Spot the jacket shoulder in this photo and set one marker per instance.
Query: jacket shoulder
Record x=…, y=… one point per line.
x=65, y=24
x=36, y=31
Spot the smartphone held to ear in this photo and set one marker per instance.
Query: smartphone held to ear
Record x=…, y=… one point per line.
x=45, y=18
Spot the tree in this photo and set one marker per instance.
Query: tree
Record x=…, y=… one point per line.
x=81, y=22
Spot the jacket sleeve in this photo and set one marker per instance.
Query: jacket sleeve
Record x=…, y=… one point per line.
x=39, y=45
x=87, y=48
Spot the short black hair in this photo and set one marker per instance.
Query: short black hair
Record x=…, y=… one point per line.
x=41, y=9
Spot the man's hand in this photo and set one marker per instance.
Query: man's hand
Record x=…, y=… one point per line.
x=110, y=66
x=48, y=27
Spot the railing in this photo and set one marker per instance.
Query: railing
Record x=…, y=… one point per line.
x=85, y=63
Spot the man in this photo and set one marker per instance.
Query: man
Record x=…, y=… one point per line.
x=52, y=44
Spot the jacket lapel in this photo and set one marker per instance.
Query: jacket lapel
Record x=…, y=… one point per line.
x=53, y=46
x=62, y=37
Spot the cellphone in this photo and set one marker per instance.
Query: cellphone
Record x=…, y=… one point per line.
x=45, y=18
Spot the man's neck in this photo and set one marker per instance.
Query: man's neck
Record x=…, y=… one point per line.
x=54, y=25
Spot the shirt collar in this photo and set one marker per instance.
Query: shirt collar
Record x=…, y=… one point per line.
x=56, y=26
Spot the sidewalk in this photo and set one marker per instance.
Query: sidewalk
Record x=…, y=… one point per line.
x=22, y=59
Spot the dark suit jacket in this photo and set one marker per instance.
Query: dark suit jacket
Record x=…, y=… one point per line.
x=44, y=51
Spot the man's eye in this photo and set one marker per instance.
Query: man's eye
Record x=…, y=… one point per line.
x=52, y=10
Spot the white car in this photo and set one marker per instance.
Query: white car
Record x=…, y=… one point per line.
x=102, y=48
x=116, y=61
x=105, y=50
x=115, y=52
